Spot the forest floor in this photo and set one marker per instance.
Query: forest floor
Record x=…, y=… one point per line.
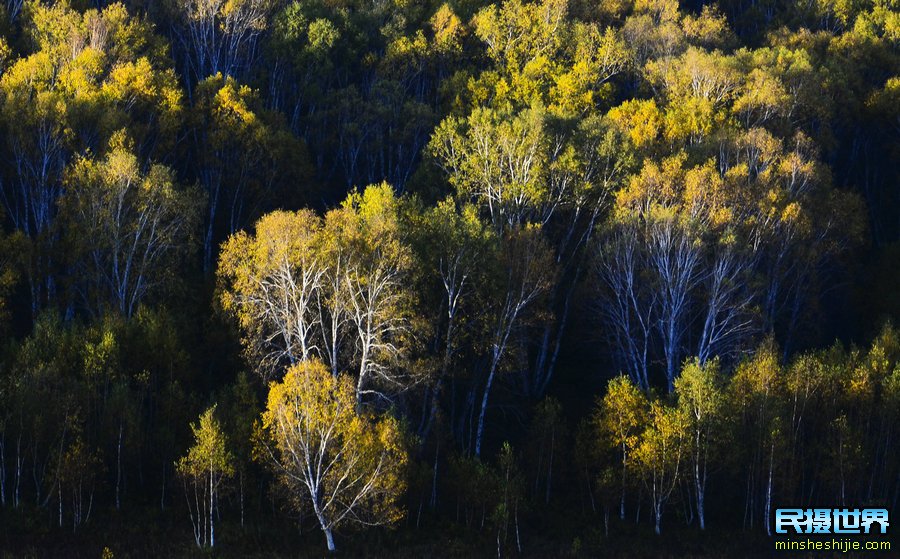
x=138, y=535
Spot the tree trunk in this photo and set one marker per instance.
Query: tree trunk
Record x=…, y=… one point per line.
x=484, y=402
x=3, y=470
x=435, y=477
x=657, y=514
x=769, y=490
x=119, y=466
x=19, y=460
x=518, y=537
x=700, y=508
x=329, y=539
x=624, y=473
x=212, y=494
x=700, y=483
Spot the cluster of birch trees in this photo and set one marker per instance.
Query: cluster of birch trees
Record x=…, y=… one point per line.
x=816, y=429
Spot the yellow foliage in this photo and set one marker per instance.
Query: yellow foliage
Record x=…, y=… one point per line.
x=640, y=119
x=312, y=416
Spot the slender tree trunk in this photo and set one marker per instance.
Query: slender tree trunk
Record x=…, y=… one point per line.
x=624, y=473
x=3, y=470
x=435, y=477
x=119, y=466
x=212, y=494
x=484, y=402
x=329, y=538
x=700, y=508
x=768, y=507
x=19, y=460
x=700, y=483
x=550, y=465
x=518, y=537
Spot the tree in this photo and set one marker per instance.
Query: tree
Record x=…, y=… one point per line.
x=511, y=484
x=658, y=455
x=346, y=465
x=78, y=475
x=528, y=270
x=333, y=289
x=453, y=247
x=549, y=431
x=620, y=418
x=243, y=157
x=624, y=303
x=272, y=283
x=541, y=54
x=701, y=400
x=756, y=391
x=532, y=168
x=204, y=468
x=219, y=36
x=367, y=232
x=127, y=228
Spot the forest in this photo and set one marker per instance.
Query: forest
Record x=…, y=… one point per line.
x=445, y=278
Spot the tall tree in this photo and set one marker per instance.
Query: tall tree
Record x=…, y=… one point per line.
x=217, y=36
x=701, y=399
x=659, y=456
x=619, y=418
x=272, y=282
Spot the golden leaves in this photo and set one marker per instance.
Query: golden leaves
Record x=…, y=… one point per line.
x=311, y=417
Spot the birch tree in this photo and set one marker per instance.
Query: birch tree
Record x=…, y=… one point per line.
x=526, y=273
x=204, y=468
x=243, y=157
x=659, y=456
x=219, y=36
x=453, y=246
x=345, y=465
x=701, y=399
x=757, y=388
x=89, y=75
x=331, y=288
x=271, y=282
x=366, y=231
x=627, y=307
x=127, y=228
x=619, y=418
